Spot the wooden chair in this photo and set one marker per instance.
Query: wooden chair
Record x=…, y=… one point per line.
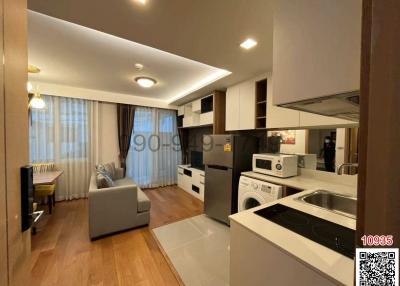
x=48, y=191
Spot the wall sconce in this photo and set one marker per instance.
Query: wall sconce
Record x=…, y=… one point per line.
x=37, y=101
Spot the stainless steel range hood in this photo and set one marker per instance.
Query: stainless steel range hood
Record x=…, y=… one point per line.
x=343, y=105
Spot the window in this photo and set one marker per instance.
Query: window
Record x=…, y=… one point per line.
x=60, y=131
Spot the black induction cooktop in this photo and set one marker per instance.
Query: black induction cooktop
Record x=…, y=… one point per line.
x=336, y=237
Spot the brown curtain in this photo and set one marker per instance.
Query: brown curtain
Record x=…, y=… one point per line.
x=126, y=116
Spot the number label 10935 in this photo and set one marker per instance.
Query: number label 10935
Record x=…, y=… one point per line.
x=377, y=240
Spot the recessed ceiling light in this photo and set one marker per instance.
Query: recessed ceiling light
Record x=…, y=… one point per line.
x=248, y=44
x=138, y=67
x=143, y=2
x=145, y=82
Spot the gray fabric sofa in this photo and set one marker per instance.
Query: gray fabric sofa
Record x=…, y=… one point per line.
x=118, y=208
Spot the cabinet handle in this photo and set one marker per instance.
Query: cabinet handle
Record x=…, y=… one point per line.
x=202, y=183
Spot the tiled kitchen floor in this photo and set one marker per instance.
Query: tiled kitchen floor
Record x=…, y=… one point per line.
x=198, y=248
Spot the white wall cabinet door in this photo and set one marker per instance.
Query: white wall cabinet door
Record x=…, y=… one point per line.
x=187, y=183
x=181, y=110
x=206, y=118
x=232, y=108
x=323, y=61
x=196, y=106
x=279, y=117
x=247, y=105
x=180, y=178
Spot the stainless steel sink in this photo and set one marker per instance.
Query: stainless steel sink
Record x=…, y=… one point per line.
x=337, y=203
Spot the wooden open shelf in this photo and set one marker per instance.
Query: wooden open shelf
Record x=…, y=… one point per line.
x=261, y=104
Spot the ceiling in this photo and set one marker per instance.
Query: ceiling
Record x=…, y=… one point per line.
x=206, y=31
x=77, y=56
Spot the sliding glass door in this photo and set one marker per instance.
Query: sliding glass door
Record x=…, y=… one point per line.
x=155, y=149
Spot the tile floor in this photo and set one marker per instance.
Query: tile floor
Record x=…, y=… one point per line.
x=198, y=248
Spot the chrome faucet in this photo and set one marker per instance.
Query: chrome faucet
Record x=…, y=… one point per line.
x=341, y=167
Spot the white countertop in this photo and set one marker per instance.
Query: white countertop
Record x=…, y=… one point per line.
x=192, y=169
x=322, y=259
x=310, y=179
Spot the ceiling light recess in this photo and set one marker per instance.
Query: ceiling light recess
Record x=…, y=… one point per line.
x=248, y=44
x=143, y=2
x=145, y=82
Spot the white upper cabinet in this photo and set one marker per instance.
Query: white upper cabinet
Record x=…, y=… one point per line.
x=232, y=120
x=247, y=103
x=316, y=48
x=181, y=110
x=279, y=117
x=241, y=105
x=196, y=106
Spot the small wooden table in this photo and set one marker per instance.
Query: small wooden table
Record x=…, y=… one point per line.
x=46, y=178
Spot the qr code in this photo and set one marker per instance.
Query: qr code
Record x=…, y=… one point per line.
x=377, y=267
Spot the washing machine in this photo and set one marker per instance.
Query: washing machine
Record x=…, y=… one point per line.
x=253, y=192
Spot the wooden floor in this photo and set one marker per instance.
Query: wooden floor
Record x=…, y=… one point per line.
x=62, y=253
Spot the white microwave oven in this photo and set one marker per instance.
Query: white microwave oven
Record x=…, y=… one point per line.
x=278, y=165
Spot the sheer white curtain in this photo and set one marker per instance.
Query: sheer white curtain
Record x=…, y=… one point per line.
x=64, y=133
x=155, y=149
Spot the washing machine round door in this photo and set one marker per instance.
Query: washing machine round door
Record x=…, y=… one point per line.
x=250, y=200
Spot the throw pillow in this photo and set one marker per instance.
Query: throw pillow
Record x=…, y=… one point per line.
x=103, y=180
x=108, y=168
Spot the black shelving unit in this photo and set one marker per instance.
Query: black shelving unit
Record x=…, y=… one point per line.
x=207, y=104
x=179, y=121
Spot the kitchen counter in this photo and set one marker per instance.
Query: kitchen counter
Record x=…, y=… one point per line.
x=334, y=266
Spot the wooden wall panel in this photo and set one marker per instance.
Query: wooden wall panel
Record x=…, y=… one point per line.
x=219, y=112
x=379, y=179
x=16, y=134
x=3, y=209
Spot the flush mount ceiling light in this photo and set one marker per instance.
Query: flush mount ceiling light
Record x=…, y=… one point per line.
x=248, y=44
x=145, y=82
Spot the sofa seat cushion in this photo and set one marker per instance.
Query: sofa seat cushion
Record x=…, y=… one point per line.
x=143, y=201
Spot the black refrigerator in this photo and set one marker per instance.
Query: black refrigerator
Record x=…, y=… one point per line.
x=225, y=157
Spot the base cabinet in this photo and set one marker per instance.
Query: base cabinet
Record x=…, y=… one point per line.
x=257, y=262
x=192, y=181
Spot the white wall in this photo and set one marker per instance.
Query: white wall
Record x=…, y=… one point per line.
x=108, y=133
